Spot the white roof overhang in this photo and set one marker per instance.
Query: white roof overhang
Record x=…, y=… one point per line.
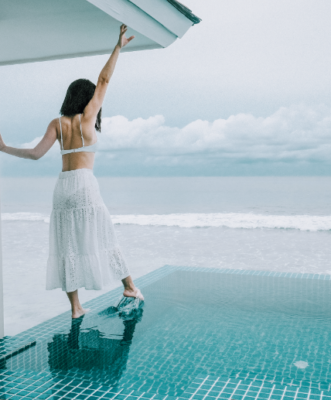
x=38, y=30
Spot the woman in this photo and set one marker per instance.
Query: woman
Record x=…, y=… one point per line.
x=83, y=247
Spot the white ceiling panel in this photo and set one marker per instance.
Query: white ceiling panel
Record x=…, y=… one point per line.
x=37, y=30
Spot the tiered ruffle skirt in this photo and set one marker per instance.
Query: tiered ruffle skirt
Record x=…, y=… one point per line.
x=83, y=249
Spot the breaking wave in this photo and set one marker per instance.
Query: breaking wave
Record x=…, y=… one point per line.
x=195, y=220
x=24, y=216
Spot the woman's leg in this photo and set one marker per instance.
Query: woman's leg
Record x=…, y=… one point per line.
x=130, y=290
x=76, y=308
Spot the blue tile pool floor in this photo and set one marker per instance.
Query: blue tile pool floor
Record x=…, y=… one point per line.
x=202, y=334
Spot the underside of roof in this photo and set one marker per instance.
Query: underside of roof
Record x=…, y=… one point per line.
x=39, y=30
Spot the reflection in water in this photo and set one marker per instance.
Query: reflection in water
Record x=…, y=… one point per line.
x=92, y=350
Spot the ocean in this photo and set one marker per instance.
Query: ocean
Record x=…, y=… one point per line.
x=256, y=223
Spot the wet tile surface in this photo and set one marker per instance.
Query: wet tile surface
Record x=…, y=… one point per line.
x=256, y=328
x=214, y=388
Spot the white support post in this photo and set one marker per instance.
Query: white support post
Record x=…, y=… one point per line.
x=2, y=321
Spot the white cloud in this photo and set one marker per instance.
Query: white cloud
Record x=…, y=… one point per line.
x=297, y=133
x=294, y=133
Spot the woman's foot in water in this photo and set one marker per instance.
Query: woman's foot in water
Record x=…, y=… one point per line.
x=76, y=308
x=133, y=293
x=79, y=312
x=130, y=290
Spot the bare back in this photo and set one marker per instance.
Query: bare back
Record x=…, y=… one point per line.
x=72, y=140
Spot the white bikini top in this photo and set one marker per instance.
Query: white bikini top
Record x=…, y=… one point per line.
x=89, y=149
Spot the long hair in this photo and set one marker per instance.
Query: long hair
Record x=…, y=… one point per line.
x=78, y=95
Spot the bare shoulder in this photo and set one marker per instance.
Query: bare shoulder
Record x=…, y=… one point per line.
x=54, y=123
x=53, y=127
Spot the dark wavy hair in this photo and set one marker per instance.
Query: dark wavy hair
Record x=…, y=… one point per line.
x=78, y=95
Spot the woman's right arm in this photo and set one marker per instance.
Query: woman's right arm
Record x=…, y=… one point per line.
x=39, y=150
x=93, y=107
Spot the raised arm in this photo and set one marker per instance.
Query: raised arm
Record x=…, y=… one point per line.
x=38, y=151
x=93, y=107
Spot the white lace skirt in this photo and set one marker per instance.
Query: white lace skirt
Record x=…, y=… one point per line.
x=83, y=250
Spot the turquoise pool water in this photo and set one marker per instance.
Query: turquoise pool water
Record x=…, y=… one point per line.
x=197, y=329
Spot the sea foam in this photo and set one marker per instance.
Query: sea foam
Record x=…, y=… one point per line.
x=24, y=216
x=195, y=220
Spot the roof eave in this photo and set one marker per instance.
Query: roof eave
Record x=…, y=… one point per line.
x=185, y=11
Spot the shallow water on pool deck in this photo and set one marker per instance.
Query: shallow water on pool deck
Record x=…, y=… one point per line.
x=198, y=322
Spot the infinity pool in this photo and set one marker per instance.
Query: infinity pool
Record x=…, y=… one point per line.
x=196, y=326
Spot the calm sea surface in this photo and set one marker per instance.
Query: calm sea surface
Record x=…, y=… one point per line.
x=267, y=223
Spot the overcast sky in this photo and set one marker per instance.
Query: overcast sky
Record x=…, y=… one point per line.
x=245, y=92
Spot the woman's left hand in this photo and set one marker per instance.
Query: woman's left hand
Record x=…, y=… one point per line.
x=2, y=143
x=123, y=41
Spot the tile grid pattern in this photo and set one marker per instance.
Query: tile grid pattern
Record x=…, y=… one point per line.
x=48, y=328
x=297, y=275
x=24, y=384
x=322, y=386
x=217, y=388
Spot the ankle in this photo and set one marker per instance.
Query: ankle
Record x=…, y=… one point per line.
x=130, y=288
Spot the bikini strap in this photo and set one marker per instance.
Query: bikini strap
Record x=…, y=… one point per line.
x=61, y=134
x=81, y=132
